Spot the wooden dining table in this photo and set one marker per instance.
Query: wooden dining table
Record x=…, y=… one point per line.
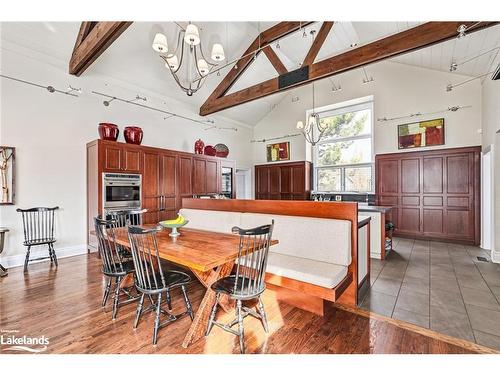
x=209, y=255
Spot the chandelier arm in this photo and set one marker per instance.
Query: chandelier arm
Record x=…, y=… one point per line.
x=196, y=65
x=179, y=41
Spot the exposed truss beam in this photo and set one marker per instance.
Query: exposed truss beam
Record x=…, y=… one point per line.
x=409, y=40
x=266, y=37
x=92, y=40
x=275, y=60
x=318, y=42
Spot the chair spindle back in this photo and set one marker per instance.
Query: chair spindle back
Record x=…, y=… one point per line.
x=252, y=259
x=112, y=264
x=147, y=263
x=38, y=224
x=125, y=218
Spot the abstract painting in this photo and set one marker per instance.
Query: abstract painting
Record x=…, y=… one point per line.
x=421, y=134
x=278, y=151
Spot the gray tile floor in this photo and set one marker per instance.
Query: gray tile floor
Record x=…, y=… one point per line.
x=439, y=286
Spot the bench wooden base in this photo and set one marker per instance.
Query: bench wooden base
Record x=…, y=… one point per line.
x=307, y=296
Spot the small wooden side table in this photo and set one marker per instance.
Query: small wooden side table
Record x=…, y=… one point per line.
x=3, y=270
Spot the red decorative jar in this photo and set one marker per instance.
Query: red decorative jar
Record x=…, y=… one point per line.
x=108, y=131
x=210, y=150
x=199, y=145
x=133, y=134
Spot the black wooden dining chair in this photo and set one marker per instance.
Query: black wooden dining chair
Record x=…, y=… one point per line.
x=152, y=280
x=38, y=227
x=248, y=282
x=114, y=267
x=124, y=218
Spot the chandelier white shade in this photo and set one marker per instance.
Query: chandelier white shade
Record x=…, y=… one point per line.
x=203, y=67
x=160, y=44
x=218, y=52
x=186, y=61
x=192, y=35
x=300, y=125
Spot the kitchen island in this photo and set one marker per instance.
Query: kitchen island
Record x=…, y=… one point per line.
x=378, y=215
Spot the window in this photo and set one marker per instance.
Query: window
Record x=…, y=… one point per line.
x=343, y=160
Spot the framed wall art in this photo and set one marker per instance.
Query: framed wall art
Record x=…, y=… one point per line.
x=421, y=134
x=278, y=151
x=7, y=174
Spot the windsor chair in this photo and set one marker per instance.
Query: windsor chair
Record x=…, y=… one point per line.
x=38, y=228
x=152, y=280
x=248, y=282
x=114, y=266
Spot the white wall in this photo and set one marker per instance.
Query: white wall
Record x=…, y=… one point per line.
x=50, y=131
x=398, y=90
x=491, y=124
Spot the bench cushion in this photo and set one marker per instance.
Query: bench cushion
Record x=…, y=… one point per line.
x=327, y=275
x=322, y=240
x=215, y=221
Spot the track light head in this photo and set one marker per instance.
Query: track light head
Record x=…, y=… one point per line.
x=461, y=31
x=453, y=66
x=449, y=88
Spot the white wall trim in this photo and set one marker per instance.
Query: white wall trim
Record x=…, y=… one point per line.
x=495, y=256
x=42, y=251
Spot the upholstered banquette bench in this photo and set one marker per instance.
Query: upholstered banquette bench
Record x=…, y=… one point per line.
x=316, y=257
x=314, y=260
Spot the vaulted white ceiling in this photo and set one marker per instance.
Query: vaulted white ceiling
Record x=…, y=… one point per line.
x=131, y=59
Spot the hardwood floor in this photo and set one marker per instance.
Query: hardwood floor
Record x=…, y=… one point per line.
x=64, y=304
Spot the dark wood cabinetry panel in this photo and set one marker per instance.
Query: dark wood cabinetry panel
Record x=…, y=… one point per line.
x=437, y=195
x=112, y=158
x=151, y=186
x=199, y=176
x=283, y=181
x=410, y=176
x=212, y=177
x=167, y=177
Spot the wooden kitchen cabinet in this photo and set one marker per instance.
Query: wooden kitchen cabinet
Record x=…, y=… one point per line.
x=435, y=194
x=283, y=181
x=167, y=177
x=119, y=157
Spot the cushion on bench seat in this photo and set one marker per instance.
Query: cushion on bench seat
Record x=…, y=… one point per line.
x=327, y=275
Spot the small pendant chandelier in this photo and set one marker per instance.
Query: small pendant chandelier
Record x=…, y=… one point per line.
x=197, y=67
x=313, y=126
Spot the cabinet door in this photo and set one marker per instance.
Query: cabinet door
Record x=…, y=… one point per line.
x=212, y=176
x=199, y=176
x=274, y=183
x=168, y=174
x=298, y=182
x=262, y=183
x=151, y=186
x=131, y=160
x=184, y=175
x=286, y=180
x=112, y=158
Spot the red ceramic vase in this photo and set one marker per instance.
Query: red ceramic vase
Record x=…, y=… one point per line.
x=133, y=134
x=210, y=150
x=108, y=131
x=199, y=145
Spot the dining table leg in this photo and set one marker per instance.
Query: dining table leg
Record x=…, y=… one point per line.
x=200, y=321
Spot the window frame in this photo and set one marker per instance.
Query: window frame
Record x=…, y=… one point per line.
x=339, y=109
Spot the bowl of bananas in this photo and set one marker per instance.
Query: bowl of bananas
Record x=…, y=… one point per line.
x=174, y=224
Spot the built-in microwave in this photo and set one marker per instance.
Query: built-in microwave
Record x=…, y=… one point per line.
x=121, y=191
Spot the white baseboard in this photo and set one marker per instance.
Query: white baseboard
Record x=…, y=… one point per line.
x=495, y=256
x=42, y=251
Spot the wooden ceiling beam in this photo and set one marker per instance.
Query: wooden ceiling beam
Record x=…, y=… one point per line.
x=418, y=37
x=275, y=60
x=318, y=42
x=267, y=37
x=92, y=40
